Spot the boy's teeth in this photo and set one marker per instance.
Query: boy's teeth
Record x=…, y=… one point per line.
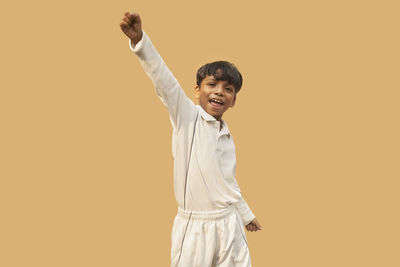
x=216, y=101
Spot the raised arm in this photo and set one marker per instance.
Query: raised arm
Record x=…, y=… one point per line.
x=181, y=109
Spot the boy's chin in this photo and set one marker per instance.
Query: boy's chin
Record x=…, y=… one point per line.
x=216, y=114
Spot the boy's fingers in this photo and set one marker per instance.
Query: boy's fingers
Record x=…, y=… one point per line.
x=131, y=19
x=256, y=224
x=124, y=25
x=251, y=227
x=134, y=15
x=136, y=18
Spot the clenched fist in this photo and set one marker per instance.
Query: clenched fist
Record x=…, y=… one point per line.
x=254, y=225
x=131, y=25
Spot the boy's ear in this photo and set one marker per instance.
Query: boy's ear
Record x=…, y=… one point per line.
x=233, y=101
x=197, y=91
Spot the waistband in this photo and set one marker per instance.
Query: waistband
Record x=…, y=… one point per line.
x=205, y=215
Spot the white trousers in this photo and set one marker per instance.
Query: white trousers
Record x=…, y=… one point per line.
x=209, y=239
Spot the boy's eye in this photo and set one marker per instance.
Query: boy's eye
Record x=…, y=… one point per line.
x=229, y=89
x=211, y=84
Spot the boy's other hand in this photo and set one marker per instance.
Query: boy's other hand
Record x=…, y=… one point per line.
x=254, y=225
x=131, y=25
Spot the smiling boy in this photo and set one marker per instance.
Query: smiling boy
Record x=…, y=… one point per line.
x=215, y=94
x=208, y=229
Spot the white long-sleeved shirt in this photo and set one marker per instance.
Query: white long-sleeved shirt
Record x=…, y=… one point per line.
x=210, y=183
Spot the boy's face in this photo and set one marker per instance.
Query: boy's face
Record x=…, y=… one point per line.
x=215, y=97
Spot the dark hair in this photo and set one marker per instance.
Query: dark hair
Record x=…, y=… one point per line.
x=221, y=70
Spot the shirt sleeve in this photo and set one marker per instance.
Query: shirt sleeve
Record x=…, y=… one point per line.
x=180, y=108
x=245, y=213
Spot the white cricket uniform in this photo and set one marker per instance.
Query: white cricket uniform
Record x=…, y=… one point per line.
x=209, y=227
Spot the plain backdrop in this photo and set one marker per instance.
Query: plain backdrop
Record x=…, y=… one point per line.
x=85, y=144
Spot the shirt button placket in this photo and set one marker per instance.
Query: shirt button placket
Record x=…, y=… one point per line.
x=216, y=125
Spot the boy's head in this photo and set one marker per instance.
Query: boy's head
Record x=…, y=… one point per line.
x=217, y=85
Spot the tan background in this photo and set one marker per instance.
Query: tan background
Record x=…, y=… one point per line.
x=86, y=164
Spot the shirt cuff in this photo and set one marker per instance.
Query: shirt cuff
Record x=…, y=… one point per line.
x=138, y=46
x=245, y=212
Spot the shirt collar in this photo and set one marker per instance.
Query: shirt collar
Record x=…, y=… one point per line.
x=205, y=115
x=209, y=118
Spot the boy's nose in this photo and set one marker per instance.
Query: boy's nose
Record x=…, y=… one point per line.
x=219, y=90
x=219, y=93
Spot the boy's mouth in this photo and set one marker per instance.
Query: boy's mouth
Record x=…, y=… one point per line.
x=216, y=102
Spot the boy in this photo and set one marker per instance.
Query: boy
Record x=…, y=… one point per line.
x=208, y=229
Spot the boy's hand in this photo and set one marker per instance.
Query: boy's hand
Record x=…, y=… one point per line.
x=131, y=25
x=254, y=225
